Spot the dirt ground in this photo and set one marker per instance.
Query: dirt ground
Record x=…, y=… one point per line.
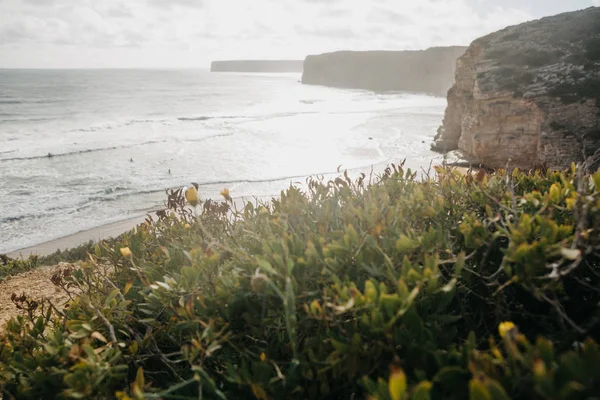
x=35, y=284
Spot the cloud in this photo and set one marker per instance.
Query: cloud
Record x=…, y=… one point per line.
x=193, y=32
x=119, y=12
x=40, y=2
x=169, y=4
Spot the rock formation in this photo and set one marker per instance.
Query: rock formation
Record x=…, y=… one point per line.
x=257, y=66
x=428, y=71
x=528, y=96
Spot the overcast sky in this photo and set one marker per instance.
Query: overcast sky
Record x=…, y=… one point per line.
x=191, y=33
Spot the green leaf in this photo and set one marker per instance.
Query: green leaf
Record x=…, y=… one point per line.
x=397, y=384
x=422, y=391
x=266, y=266
x=596, y=178
x=139, y=378
x=495, y=390
x=111, y=296
x=405, y=244
x=290, y=313
x=459, y=264
x=370, y=291
x=477, y=391
x=555, y=190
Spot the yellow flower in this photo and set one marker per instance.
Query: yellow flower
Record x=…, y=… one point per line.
x=263, y=357
x=539, y=369
x=315, y=307
x=225, y=194
x=187, y=226
x=506, y=328
x=191, y=195
x=126, y=252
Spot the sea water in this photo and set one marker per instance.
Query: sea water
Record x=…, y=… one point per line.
x=83, y=148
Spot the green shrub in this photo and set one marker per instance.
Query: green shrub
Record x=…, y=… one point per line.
x=395, y=289
x=9, y=266
x=70, y=256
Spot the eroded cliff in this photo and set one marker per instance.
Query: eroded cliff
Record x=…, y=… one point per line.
x=425, y=71
x=528, y=96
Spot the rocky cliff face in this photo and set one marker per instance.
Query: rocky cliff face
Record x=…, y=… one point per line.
x=428, y=71
x=257, y=66
x=529, y=95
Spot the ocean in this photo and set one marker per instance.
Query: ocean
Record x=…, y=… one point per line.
x=84, y=148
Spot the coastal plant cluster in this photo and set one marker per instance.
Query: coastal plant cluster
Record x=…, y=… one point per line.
x=9, y=266
x=480, y=286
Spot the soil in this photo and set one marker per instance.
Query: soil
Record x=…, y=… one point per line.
x=35, y=284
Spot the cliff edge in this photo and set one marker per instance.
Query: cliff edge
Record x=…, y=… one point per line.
x=528, y=96
x=428, y=71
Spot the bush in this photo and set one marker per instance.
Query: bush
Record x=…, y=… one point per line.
x=9, y=266
x=70, y=256
x=483, y=286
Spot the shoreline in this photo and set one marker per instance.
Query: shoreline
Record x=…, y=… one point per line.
x=101, y=232
x=95, y=234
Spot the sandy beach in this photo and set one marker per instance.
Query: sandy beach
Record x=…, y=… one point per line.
x=76, y=239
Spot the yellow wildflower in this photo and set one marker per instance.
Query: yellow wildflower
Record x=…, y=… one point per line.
x=191, y=195
x=315, y=307
x=263, y=357
x=539, y=369
x=126, y=252
x=506, y=328
x=187, y=226
x=225, y=194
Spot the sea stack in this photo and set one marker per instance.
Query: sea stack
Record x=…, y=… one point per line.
x=528, y=96
x=428, y=71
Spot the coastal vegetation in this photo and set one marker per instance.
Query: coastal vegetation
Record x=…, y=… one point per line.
x=9, y=266
x=452, y=286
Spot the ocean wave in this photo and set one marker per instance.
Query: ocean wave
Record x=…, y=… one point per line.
x=12, y=120
x=6, y=220
x=139, y=121
x=194, y=118
x=10, y=102
x=79, y=152
x=109, y=126
x=207, y=117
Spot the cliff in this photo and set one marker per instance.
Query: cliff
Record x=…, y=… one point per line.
x=257, y=66
x=528, y=95
x=425, y=71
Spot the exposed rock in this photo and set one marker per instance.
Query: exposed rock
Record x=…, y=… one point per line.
x=528, y=95
x=428, y=71
x=257, y=66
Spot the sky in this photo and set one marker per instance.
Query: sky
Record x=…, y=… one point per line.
x=191, y=33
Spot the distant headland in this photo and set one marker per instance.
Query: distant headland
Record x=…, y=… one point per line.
x=257, y=66
x=428, y=71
